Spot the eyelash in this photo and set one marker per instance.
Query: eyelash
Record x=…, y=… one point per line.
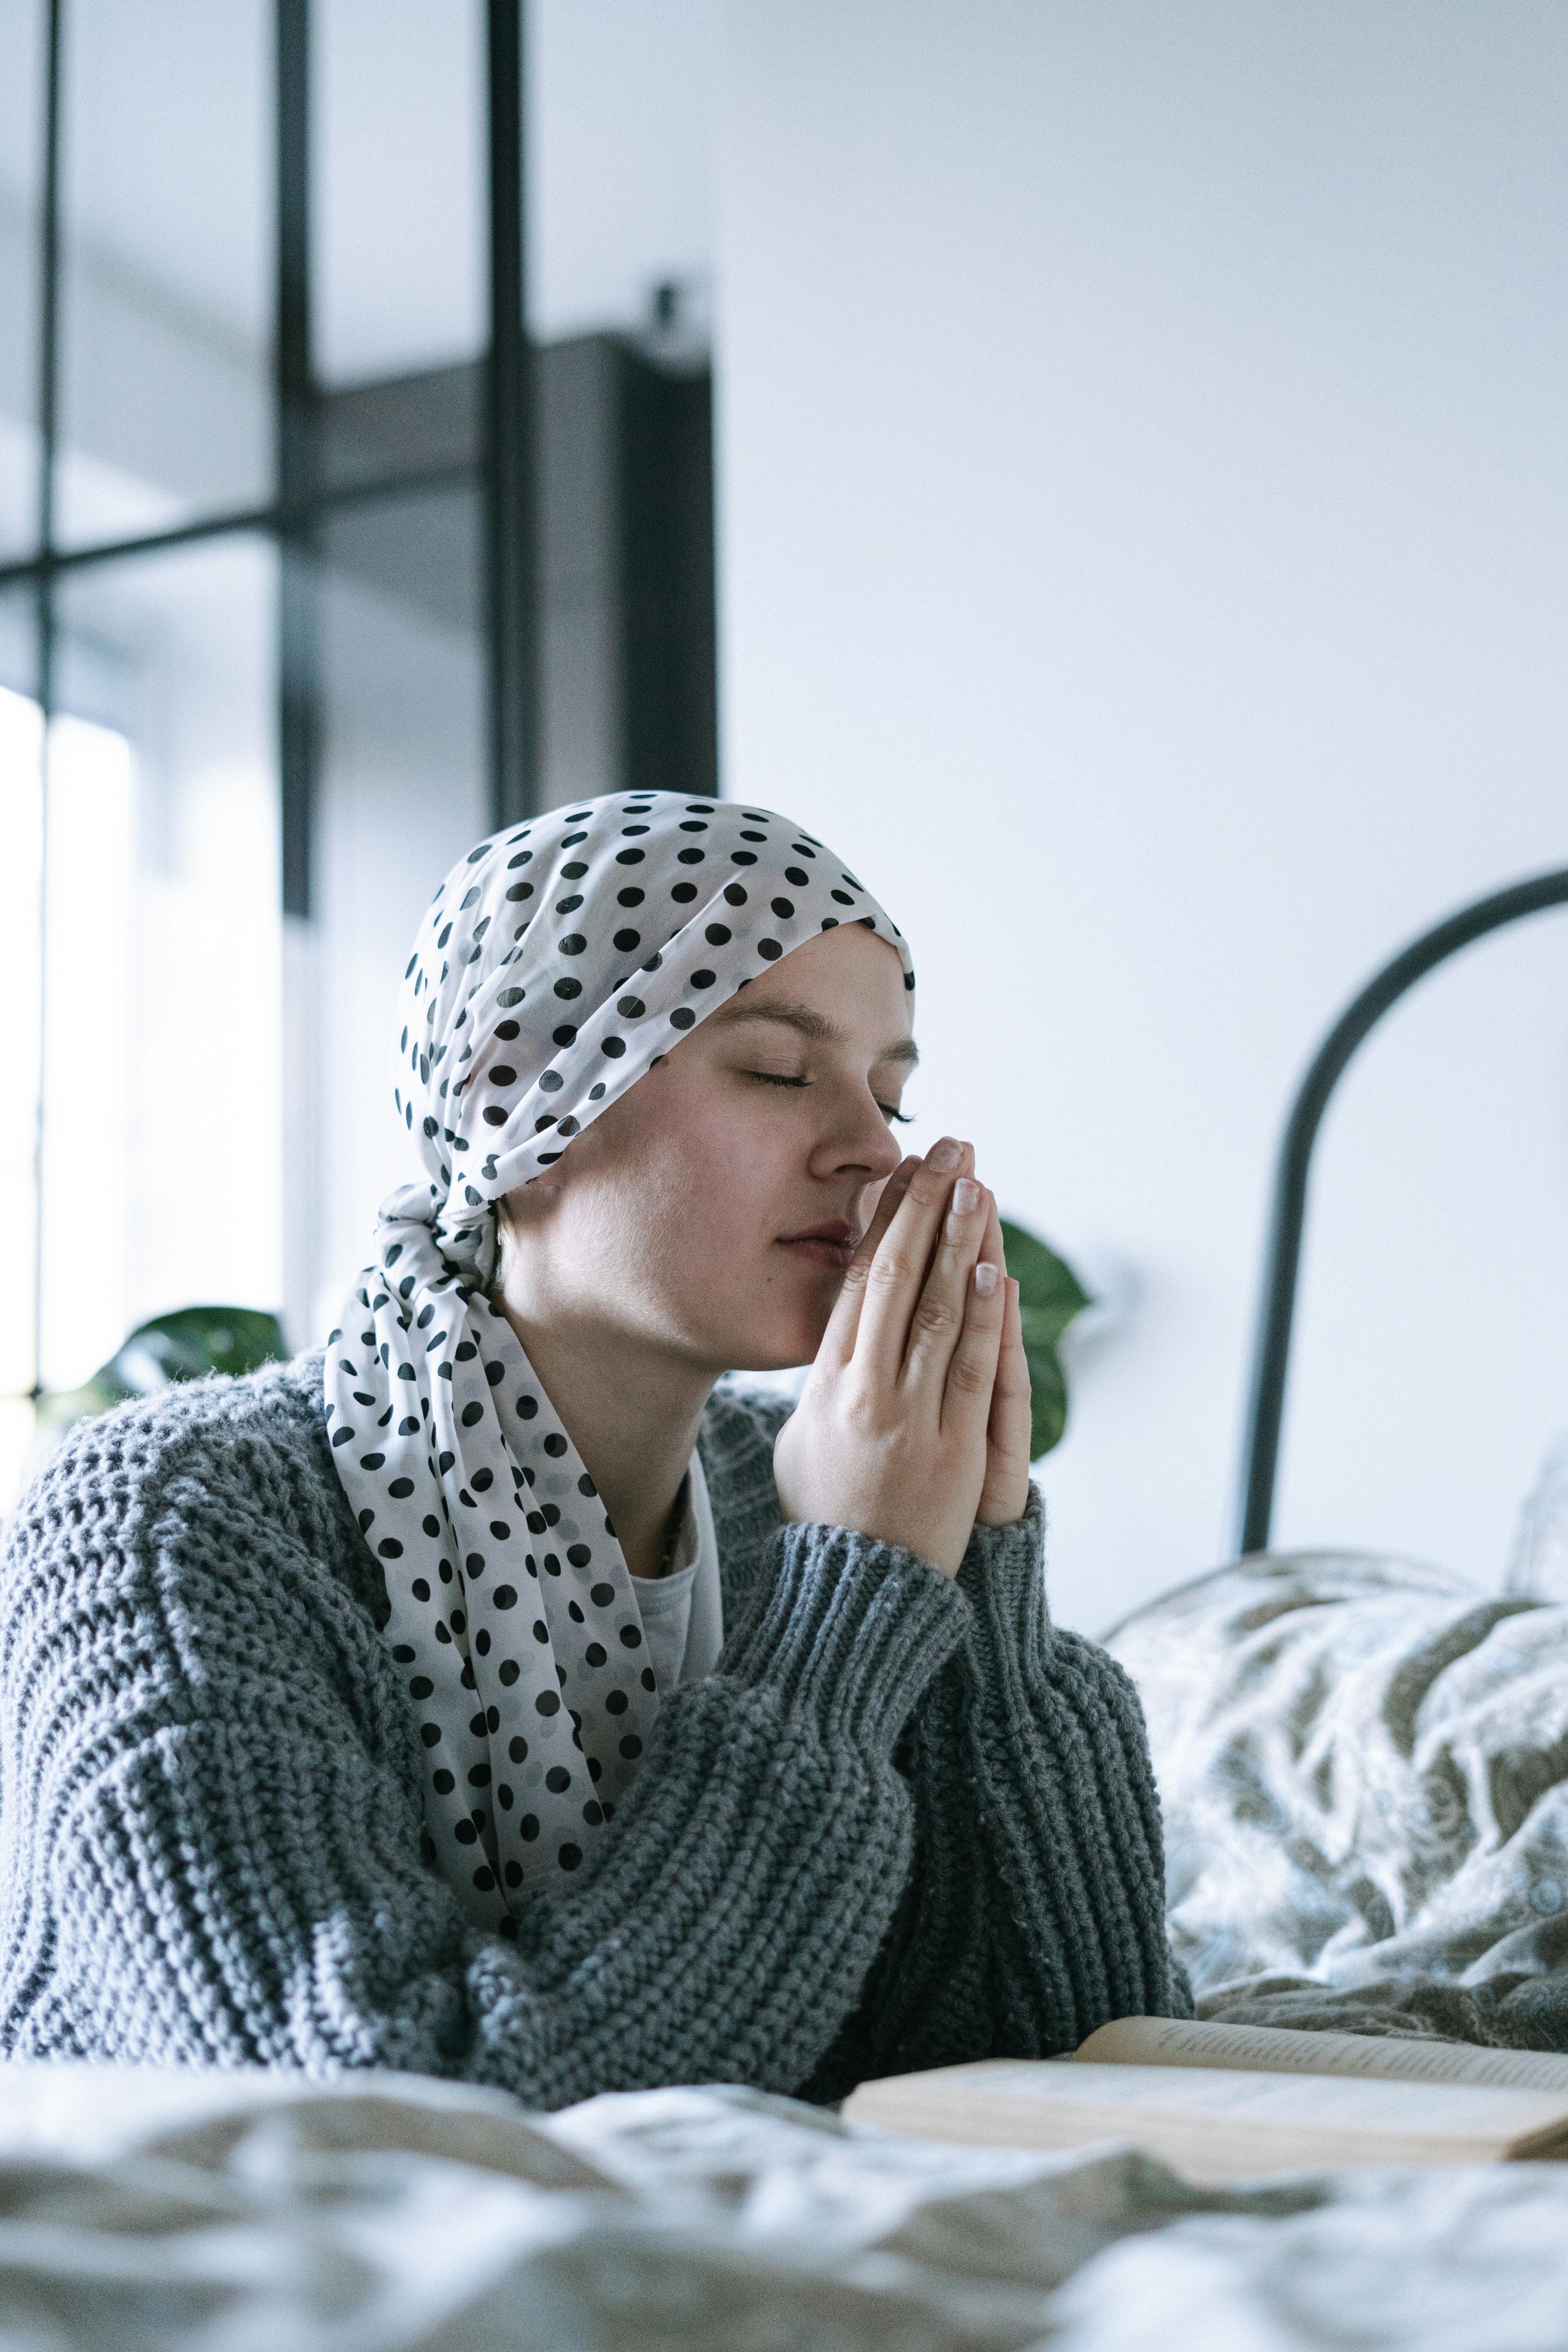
x=770, y=1079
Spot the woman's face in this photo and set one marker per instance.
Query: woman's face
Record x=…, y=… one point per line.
x=713, y=1208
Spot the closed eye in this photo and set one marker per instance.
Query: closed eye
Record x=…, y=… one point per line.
x=889, y=1111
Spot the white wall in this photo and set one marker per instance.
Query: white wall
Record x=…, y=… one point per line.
x=1143, y=489
x=620, y=153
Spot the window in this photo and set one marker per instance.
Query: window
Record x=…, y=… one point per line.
x=312, y=572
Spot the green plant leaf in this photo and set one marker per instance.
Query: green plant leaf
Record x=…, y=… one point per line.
x=189, y=1343
x=182, y=1346
x=1049, y=1296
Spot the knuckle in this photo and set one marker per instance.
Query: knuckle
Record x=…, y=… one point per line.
x=968, y=1377
x=934, y=1316
x=887, y=1271
x=860, y=1408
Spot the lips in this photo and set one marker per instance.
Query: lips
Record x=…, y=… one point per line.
x=832, y=1244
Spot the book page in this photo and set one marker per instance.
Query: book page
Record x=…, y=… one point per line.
x=1331, y=2112
x=1277, y=2050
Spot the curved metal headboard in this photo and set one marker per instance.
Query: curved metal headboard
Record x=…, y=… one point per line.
x=1271, y=1349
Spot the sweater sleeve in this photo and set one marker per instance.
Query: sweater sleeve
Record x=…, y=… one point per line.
x=210, y=1842
x=1035, y=1907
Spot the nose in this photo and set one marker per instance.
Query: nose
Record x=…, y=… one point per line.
x=858, y=1142
x=885, y=1152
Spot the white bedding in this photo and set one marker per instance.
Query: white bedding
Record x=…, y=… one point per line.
x=1364, y=1766
x=253, y=2213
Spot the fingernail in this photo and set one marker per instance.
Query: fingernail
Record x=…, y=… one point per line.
x=945, y=1155
x=965, y=1195
x=985, y=1278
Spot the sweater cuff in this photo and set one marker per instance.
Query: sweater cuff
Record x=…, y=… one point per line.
x=1003, y=1576
x=851, y=1630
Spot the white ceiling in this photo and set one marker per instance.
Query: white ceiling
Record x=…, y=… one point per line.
x=169, y=162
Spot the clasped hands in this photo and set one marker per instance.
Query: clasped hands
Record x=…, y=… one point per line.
x=913, y=1422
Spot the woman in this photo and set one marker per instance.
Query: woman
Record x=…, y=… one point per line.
x=504, y=1695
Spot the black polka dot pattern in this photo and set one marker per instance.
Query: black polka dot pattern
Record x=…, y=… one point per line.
x=514, y=1620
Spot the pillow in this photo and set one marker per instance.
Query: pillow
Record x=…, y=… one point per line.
x=1537, y=1567
x=1363, y=1763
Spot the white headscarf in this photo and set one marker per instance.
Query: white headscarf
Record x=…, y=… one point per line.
x=559, y=960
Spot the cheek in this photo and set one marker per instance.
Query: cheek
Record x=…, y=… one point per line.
x=685, y=1190
x=705, y=1258
x=676, y=1221
x=711, y=1176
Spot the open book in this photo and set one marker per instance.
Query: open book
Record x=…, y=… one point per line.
x=1219, y=2102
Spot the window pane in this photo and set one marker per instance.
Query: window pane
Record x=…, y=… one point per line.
x=162, y=1054
x=403, y=425
x=89, y=879
x=398, y=163
x=21, y=126
x=21, y=851
x=166, y=295
x=402, y=795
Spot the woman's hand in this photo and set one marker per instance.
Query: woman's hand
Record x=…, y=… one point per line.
x=893, y=1434
x=1006, y=1494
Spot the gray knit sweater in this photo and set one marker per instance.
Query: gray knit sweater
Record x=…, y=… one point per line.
x=905, y=1822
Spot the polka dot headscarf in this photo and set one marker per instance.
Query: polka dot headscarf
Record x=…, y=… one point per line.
x=557, y=963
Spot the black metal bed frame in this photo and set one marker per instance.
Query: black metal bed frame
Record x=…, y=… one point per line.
x=1271, y=1347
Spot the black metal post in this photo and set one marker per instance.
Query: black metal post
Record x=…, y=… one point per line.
x=44, y=615
x=330, y=499
x=299, y=629
x=48, y=354
x=1272, y=1348
x=511, y=587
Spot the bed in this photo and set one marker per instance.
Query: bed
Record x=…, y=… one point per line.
x=1361, y=1757
x=250, y=2213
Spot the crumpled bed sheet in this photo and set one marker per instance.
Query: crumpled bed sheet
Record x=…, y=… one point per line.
x=263, y=2213
x=1364, y=1766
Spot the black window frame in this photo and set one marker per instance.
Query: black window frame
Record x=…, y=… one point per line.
x=503, y=472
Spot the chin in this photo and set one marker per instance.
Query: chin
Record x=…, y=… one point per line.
x=772, y=1359
x=775, y=1350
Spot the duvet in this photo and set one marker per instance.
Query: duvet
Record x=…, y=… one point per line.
x=1364, y=1766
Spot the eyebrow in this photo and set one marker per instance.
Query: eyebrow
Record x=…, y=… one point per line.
x=805, y=1023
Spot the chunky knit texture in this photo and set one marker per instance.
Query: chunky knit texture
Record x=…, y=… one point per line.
x=905, y=1822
